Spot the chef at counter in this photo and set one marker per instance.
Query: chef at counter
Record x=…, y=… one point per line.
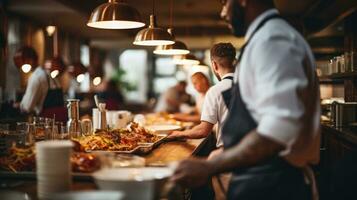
x=43, y=94
x=271, y=134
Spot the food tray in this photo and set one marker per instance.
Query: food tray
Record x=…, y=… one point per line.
x=99, y=151
x=145, y=148
x=142, y=148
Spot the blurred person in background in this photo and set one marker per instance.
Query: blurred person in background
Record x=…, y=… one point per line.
x=171, y=100
x=201, y=84
x=112, y=95
x=43, y=94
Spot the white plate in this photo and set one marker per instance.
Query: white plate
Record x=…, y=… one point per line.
x=163, y=129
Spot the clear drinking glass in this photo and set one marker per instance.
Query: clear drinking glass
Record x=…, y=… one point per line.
x=64, y=132
x=74, y=129
x=49, y=133
x=22, y=130
x=87, y=127
x=30, y=137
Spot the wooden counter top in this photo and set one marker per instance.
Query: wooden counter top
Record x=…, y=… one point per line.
x=173, y=151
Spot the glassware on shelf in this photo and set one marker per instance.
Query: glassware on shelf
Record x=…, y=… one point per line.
x=4, y=129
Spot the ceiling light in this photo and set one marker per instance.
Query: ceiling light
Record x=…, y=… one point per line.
x=26, y=68
x=178, y=48
x=54, y=73
x=50, y=30
x=115, y=15
x=80, y=78
x=188, y=59
x=153, y=35
x=97, y=80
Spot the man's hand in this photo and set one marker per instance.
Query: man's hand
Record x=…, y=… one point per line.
x=176, y=135
x=192, y=172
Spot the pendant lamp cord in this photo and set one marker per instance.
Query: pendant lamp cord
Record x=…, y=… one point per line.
x=153, y=7
x=171, y=12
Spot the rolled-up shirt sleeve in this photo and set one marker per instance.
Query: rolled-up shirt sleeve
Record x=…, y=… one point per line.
x=209, y=109
x=32, y=95
x=279, y=81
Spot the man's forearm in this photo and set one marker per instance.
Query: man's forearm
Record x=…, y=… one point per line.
x=253, y=149
x=199, y=131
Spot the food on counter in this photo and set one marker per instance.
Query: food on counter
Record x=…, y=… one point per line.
x=40, y=133
x=84, y=162
x=24, y=159
x=125, y=139
x=165, y=119
x=19, y=159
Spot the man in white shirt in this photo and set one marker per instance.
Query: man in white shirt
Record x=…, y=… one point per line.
x=172, y=98
x=201, y=84
x=272, y=129
x=37, y=88
x=214, y=109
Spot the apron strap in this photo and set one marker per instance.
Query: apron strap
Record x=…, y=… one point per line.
x=260, y=25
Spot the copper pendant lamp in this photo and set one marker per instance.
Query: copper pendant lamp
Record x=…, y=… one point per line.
x=153, y=35
x=115, y=14
x=178, y=48
x=188, y=59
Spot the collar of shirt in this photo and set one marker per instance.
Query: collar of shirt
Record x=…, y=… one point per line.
x=227, y=75
x=257, y=20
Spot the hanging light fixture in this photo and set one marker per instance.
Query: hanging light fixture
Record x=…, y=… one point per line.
x=115, y=14
x=188, y=59
x=178, y=48
x=77, y=70
x=153, y=35
x=201, y=64
x=50, y=29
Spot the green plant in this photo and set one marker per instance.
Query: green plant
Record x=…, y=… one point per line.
x=124, y=85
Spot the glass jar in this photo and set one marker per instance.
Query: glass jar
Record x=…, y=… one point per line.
x=342, y=64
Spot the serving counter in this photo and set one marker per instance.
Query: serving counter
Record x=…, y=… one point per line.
x=165, y=153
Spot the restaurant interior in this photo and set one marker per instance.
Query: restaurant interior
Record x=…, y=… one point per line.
x=108, y=66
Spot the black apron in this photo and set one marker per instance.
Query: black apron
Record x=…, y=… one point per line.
x=54, y=97
x=227, y=94
x=54, y=103
x=272, y=179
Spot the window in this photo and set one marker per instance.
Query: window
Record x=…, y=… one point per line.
x=134, y=63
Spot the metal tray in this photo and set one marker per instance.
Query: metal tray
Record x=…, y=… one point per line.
x=145, y=148
x=142, y=148
x=99, y=151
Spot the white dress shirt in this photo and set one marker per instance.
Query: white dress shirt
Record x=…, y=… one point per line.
x=280, y=89
x=214, y=108
x=36, y=91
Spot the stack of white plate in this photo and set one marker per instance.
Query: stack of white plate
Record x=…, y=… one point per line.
x=53, y=167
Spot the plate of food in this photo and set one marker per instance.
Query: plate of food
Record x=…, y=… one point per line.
x=164, y=129
x=23, y=159
x=125, y=140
